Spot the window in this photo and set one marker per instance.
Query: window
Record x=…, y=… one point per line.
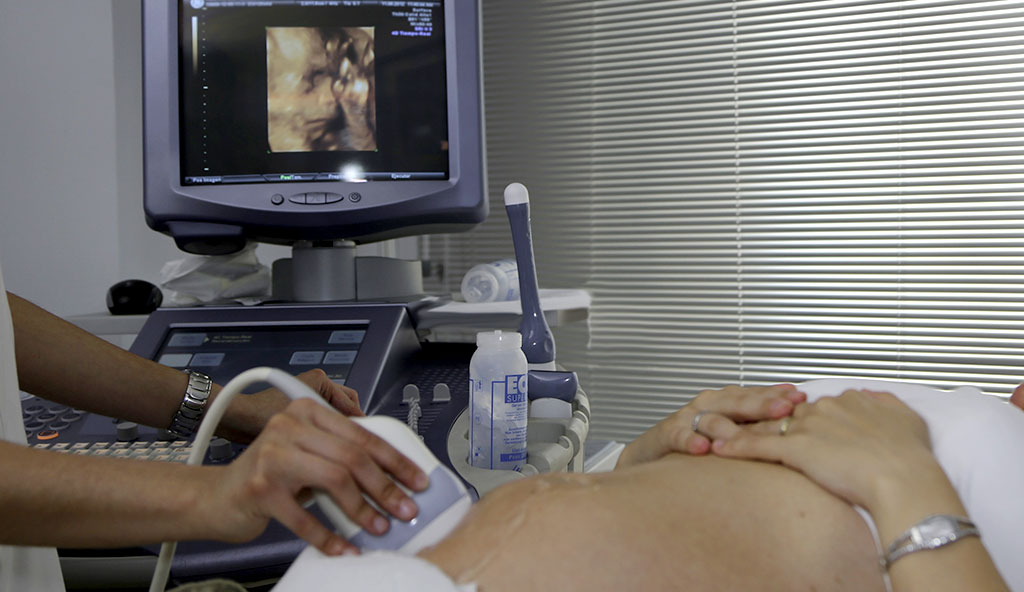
x=763, y=191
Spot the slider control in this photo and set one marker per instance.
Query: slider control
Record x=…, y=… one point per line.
x=442, y=394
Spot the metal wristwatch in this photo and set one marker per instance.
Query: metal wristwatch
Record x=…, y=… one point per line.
x=189, y=414
x=932, y=532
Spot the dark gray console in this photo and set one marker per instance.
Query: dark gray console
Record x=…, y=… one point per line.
x=372, y=348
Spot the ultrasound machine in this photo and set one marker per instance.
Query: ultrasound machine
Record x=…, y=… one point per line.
x=319, y=125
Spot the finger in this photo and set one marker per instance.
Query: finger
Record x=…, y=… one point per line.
x=308, y=528
x=676, y=433
x=792, y=393
x=714, y=426
x=690, y=442
x=402, y=469
x=360, y=442
x=879, y=395
x=772, y=427
x=384, y=455
x=353, y=397
x=351, y=452
x=342, y=487
x=803, y=409
x=340, y=483
x=342, y=398
x=754, y=404
x=752, y=446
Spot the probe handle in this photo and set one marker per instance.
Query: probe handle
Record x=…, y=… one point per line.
x=538, y=343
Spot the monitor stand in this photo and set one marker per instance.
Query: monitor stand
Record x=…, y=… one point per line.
x=329, y=271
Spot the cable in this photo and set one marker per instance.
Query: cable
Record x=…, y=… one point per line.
x=288, y=384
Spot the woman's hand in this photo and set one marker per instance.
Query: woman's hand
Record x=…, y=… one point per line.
x=310, y=447
x=859, y=446
x=721, y=413
x=870, y=449
x=248, y=414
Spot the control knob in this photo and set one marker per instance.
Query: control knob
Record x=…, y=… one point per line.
x=127, y=431
x=220, y=449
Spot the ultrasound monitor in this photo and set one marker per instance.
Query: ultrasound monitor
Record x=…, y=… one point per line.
x=311, y=120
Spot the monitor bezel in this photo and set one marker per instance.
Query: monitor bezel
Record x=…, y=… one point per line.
x=386, y=209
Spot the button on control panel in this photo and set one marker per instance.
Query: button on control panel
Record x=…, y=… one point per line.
x=313, y=198
x=50, y=426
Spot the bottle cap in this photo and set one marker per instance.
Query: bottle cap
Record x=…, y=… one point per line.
x=499, y=338
x=479, y=287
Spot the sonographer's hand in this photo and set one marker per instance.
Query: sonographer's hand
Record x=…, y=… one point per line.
x=721, y=411
x=342, y=398
x=306, y=447
x=248, y=414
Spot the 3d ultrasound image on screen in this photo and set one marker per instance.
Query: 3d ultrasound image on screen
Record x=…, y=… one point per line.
x=321, y=89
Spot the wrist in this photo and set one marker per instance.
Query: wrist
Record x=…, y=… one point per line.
x=192, y=408
x=238, y=422
x=900, y=477
x=247, y=415
x=901, y=501
x=201, y=506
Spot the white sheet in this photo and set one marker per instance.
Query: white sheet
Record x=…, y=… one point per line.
x=377, y=571
x=977, y=440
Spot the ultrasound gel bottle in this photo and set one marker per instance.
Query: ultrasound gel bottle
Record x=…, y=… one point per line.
x=497, y=402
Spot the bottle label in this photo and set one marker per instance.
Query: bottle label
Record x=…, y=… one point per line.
x=497, y=431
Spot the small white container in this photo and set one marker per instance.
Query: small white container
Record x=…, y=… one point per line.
x=498, y=402
x=492, y=282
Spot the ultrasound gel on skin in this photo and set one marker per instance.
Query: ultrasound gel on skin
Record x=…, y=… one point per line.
x=492, y=282
x=498, y=402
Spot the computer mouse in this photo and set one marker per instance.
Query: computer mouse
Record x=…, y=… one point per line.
x=133, y=297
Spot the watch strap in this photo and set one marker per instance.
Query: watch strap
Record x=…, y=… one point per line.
x=193, y=404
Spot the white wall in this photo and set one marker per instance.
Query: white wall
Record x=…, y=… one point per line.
x=141, y=251
x=58, y=153
x=71, y=217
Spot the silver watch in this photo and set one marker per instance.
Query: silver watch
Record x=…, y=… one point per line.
x=932, y=532
x=189, y=414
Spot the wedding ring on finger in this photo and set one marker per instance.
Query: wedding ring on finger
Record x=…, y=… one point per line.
x=784, y=425
x=695, y=424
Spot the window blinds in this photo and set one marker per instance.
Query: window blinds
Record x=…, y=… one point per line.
x=763, y=191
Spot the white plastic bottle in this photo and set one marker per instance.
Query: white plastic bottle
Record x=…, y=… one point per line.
x=492, y=282
x=497, y=402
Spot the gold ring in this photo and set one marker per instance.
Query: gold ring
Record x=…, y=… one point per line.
x=784, y=426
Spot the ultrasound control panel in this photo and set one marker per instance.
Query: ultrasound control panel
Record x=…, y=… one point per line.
x=371, y=348
x=50, y=426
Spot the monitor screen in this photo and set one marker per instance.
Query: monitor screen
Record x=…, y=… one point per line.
x=287, y=120
x=293, y=92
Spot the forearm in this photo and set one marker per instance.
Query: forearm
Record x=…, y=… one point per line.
x=60, y=362
x=903, y=502
x=80, y=501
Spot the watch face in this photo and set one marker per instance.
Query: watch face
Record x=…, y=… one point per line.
x=936, y=530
